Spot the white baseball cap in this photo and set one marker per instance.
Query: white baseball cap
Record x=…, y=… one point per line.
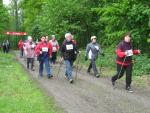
x=93, y=37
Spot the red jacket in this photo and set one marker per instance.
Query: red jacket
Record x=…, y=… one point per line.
x=20, y=44
x=42, y=45
x=121, y=57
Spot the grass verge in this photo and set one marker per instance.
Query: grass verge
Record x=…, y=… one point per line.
x=18, y=94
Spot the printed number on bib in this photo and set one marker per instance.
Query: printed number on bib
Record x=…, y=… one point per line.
x=69, y=47
x=54, y=49
x=44, y=49
x=129, y=52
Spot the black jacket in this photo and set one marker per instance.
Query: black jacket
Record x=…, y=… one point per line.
x=68, y=50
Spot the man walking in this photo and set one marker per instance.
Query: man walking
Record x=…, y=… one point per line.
x=92, y=51
x=68, y=52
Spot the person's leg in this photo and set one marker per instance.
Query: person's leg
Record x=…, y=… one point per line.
x=21, y=53
x=6, y=49
x=94, y=67
x=47, y=66
x=89, y=68
x=32, y=64
x=119, y=74
x=128, y=76
x=41, y=68
x=54, y=57
x=68, y=69
x=28, y=61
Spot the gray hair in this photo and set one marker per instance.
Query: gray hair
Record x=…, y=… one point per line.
x=68, y=34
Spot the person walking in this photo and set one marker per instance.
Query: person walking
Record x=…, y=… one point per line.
x=68, y=52
x=20, y=46
x=55, y=49
x=29, y=51
x=44, y=53
x=124, y=61
x=93, y=49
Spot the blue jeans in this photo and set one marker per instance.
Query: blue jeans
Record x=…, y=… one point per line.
x=69, y=65
x=47, y=66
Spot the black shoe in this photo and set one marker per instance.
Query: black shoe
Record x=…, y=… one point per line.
x=113, y=82
x=71, y=81
x=97, y=75
x=129, y=89
x=50, y=76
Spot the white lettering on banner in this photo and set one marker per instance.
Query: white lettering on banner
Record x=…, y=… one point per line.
x=129, y=52
x=97, y=48
x=44, y=49
x=90, y=54
x=69, y=47
x=54, y=49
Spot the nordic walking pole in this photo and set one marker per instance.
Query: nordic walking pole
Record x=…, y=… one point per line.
x=121, y=67
x=78, y=59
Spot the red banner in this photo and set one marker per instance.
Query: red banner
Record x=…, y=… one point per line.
x=16, y=33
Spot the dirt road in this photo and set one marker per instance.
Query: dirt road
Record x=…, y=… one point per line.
x=91, y=95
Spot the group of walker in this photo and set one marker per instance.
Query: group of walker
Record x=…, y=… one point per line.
x=46, y=50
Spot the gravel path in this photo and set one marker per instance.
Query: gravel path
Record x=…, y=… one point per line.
x=91, y=95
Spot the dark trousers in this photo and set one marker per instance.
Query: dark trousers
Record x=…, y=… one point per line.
x=54, y=57
x=120, y=73
x=30, y=60
x=5, y=49
x=92, y=65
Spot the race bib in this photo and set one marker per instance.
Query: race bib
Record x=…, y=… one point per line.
x=44, y=49
x=54, y=49
x=32, y=46
x=97, y=48
x=129, y=52
x=69, y=47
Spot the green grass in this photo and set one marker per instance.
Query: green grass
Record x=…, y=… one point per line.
x=18, y=94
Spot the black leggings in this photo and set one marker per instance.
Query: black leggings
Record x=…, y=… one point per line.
x=30, y=60
x=120, y=72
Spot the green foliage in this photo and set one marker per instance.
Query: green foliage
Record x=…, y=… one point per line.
x=4, y=19
x=124, y=16
x=141, y=65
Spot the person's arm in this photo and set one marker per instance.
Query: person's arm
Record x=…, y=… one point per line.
x=87, y=51
x=50, y=49
x=136, y=52
x=38, y=50
x=57, y=46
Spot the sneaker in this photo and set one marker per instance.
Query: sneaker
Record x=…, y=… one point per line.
x=113, y=82
x=71, y=81
x=97, y=75
x=129, y=89
x=50, y=76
